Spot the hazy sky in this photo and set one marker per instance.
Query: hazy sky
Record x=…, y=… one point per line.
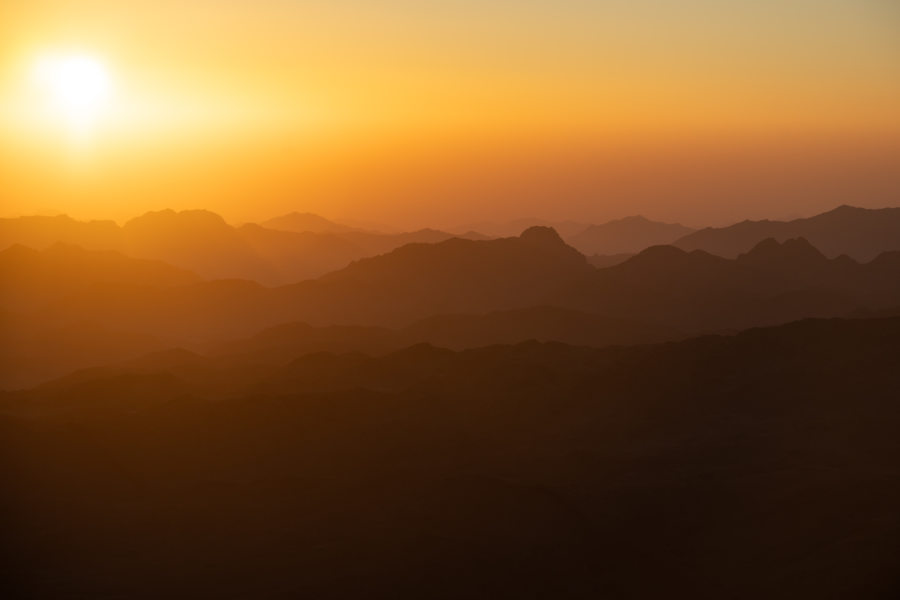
x=423, y=112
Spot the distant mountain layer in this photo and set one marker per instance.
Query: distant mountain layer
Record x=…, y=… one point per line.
x=34, y=350
x=300, y=246
x=761, y=465
x=124, y=295
x=602, y=261
x=693, y=291
x=622, y=236
x=628, y=235
x=457, y=332
x=42, y=232
x=305, y=222
x=859, y=233
x=203, y=242
x=31, y=277
x=566, y=229
x=668, y=287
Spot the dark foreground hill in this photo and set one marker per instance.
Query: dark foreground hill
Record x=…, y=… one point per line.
x=764, y=465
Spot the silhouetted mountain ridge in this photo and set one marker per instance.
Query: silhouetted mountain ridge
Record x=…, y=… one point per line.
x=627, y=235
x=686, y=291
x=201, y=241
x=576, y=471
x=857, y=232
x=305, y=223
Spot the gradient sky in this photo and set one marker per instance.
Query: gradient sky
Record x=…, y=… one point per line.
x=438, y=113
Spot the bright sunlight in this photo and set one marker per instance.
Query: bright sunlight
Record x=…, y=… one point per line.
x=77, y=89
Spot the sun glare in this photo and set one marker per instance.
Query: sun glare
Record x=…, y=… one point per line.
x=76, y=88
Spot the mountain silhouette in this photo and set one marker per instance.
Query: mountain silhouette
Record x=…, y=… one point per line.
x=201, y=241
x=36, y=348
x=37, y=343
x=537, y=252
x=381, y=243
x=42, y=232
x=198, y=240
x=532, y=470
x=135, y=305
x=859, y=233
x=689, y=292
x=419, y=280
x=602, y=261
x=264, y=413
x=283, y=343
x=773, y=283
x=514, y=227
x=297, y=256
x=626, y=236
x=31, y=277
x=305, y=223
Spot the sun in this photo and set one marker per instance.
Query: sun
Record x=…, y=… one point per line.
x=76, y=88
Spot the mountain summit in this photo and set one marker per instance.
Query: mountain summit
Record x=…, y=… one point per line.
x=540, y=234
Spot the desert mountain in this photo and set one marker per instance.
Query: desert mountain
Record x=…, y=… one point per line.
x=420, y=280
x=203, y=242
x=602, y=261
x=66, y=307
x=688, y=291
x=773, y=283
x=625, y=236
x=536, y=469
x=859, y=233
x=514, y=227
x=305, y=223
x=282, y=343
x=42, y=232
x=36, y=344
x=396, y=289
x=295, y=256
x=35, y=348
x=196, y=239
x=31, y=278
x=407, y=296
x=379, y=243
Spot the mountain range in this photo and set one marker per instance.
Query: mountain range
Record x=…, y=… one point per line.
x=201, y=241
x=472, y=292
x=859, y=233
x=300, y=246
x=194, y=409
x=626, y=236
x=537, y=470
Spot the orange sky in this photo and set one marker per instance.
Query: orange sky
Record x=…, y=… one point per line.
x=422, y=113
